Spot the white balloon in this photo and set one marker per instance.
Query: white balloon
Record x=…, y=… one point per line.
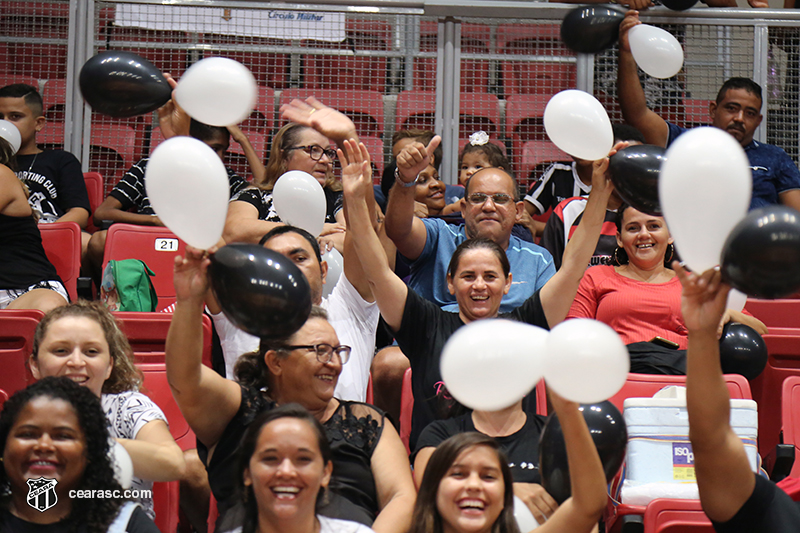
x=523, y=516
x=300, y=201
x=704, y=190
x=123, y=466
x=217, y=91
x=188, y=188
x=335, y=268
x=585, y=361
x=736, y=300
x=578, y=124
x=656, y=51
x=10, y=133
x=491, y=364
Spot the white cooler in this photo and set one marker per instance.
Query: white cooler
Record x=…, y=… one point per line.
x=659, y=459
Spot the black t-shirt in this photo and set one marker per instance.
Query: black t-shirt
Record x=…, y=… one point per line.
x=563, y=223
x=424, y=332
x=559, y=182
x=262, y=200
x=139, y=522
x=24, y=262
x=521, y=447
x=55, y=180
x=353, y=433
x=768, y=509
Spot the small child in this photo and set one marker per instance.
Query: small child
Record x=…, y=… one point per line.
x=53, y=177
x=479, y=153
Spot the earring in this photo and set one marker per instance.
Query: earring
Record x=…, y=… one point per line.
x=670, y=254
x=617, y=259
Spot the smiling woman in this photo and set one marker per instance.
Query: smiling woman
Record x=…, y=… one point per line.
x=83, y=342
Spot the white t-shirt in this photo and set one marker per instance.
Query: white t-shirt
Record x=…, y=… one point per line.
x=333, y=525
x=355, y=321
x=127, y=413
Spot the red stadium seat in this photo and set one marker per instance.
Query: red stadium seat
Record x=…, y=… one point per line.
x=94, y=188
x=365, y=108
x=33, y=44
x=16, y=345
x=783, y=362
x=475, y=39
x=676, y=516
x=270, y=69
x=530, y=146
x=370, y=395
x=375, y=148
x=645, y=386
x=155, y=246
x=790, y=416
x=406, y=409
x=62, y=244
x=415, y=109
x=166, y=505
x=359, y=71
x=535, y=77
x=3, y=398
x=775, y=313
x=147, y=335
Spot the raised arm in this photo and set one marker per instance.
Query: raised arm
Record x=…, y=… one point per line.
x=253, y=160
x=581, y=511
x=207, y=400
x=326, y=120
x=154, y=453
x=407, y=231
x=393, y=483
x=559, y=292
x=243, y=225
x=630, y=94
x=724, y=477
x=389, y=291
x=172, y=119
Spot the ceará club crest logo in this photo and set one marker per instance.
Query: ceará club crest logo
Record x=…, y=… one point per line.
x=42, y=493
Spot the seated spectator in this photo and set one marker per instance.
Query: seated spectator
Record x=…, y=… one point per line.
x=281, y=446
x=130, y=192
x=639, y=295
x=467, y=484
x=55, y=430
x=303, y=144
x=54, y=177
x=490, y=208
x=517, y=434
x=478, y=277
x=27, y=278
x=372, y=482
x=401, y=139
x=734, y=498
x=82, y=341
x=567, y=214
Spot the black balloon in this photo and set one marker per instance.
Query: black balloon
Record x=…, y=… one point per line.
x=634, y=171
x=679, y=5
x=122, y=84
x=260, y=290
x=610, y=436
x=591, y=29
x=761, y=256
x=742, y=350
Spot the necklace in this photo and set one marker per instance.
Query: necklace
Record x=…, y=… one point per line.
x=32, y=163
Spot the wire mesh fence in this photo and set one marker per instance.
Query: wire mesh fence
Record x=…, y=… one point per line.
x=381, y=70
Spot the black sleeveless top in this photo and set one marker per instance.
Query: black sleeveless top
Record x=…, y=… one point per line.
x=23, y=261
x=353, y=433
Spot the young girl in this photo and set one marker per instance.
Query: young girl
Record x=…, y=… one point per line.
x=479, y=153
x=467, y=484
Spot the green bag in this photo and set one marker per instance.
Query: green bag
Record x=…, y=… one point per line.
x=126, y=286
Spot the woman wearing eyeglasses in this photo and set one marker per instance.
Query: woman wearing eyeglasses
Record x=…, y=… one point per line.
x=296, y=146
x=372, y=481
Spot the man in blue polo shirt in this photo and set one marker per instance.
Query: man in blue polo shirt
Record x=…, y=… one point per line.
x=490, y=208
x=737, y=110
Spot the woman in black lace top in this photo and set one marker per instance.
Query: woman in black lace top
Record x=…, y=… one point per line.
x=371, y=481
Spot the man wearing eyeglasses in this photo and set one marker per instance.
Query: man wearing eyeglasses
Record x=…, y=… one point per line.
x=490, y=208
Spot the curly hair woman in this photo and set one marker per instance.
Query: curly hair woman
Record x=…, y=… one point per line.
x=55, y=430
x=83, y=342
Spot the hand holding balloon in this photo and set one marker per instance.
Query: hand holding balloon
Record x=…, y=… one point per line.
x=631, y=19
x=536, y=499
x=602, y=181
x=190, y=274
x=635, y=172
x=172, y=119
x=703, y=298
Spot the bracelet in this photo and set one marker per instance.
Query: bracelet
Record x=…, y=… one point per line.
x=402, y=183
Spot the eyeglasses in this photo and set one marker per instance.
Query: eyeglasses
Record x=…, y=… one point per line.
x=315, y=152
x=324, y=351
x=479, y=198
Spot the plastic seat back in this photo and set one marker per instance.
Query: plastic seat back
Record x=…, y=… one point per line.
x=17, y=327
x=62, y=244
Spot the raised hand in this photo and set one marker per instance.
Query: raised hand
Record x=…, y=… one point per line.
x=172, y=119
x=601, y=179
x=703, y=298
x=324, y=119
x=631, y=19
x=191, y=273
x=415, y=158
x=356, y=169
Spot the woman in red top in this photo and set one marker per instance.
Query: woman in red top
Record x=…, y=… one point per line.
x=640, y=296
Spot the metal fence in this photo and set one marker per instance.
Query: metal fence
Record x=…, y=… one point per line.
x=389, y=65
